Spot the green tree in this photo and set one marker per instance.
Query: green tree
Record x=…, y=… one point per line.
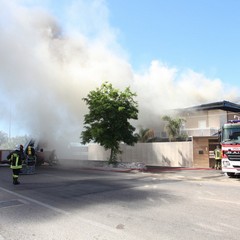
x=3, y=138
x=107, y=122
x=14, y=141
x=17, y=140
x=144, y=135
x=173, y=126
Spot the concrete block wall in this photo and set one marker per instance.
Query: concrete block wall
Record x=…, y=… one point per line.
x=175, y=154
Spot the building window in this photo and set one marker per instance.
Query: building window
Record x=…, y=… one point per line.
x=202, y=124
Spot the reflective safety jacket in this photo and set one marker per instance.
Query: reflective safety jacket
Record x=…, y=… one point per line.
x=217, y=153
x=15, y=160
x=30, y=151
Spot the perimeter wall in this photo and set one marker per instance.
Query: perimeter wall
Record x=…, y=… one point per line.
x=174, y=154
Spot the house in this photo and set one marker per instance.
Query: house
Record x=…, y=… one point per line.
x=207, y=119
x=203, y=123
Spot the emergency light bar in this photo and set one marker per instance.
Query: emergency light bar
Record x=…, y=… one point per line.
x=233, y=121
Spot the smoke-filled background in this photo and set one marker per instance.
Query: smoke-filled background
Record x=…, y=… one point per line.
x=47, y=67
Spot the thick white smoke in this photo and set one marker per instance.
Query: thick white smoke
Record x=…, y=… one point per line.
x=46, y=70
x=162, y=88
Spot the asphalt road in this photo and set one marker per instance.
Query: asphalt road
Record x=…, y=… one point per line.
x=60, y=204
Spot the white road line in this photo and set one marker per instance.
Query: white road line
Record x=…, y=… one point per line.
x=86, y=221
x=219, y=200
x=35, y=201
x=164, y=200
x=210, y=193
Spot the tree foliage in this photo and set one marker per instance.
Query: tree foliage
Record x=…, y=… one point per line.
x=144, y=135
x=107, y=122
x=3, y=138
x=173, y=126
x=10, y=143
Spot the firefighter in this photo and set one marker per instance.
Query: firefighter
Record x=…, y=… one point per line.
x=16, y=158
x=217, y=155
x=31, y=158
x=30, y=151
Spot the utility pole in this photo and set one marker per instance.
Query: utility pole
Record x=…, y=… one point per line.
x=10, y=124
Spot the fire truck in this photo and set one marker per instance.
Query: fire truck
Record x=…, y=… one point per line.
x=230, y=145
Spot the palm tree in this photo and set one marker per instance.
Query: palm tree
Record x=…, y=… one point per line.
x=145, y=134
x=173, y=126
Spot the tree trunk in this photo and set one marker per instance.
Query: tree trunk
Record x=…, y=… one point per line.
x=112, y=159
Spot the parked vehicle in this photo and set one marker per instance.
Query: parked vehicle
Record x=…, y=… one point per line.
x=230, y=145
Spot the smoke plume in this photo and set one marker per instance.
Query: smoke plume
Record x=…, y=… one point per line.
x=47, y=67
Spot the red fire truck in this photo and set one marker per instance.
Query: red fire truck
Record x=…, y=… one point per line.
x=230, y=144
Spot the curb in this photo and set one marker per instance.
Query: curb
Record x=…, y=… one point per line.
x=170, y=169
x=109, y=169
x=147, y=170
x=4, y=165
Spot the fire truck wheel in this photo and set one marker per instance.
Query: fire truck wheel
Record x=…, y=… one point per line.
x=230, y=174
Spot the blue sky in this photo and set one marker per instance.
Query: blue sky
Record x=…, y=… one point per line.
x=202, y=35
x=174, y=53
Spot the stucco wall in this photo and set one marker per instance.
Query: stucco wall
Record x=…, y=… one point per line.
x=216, y=118
x=175, y=154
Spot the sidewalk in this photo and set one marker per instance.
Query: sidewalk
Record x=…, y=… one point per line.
x=127, y=168
x=169, y=169
x=148, y=169
x=179, y=173
x=176, y=173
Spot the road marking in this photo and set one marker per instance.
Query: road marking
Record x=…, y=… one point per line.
x=86, y=221
x=164, y=200
x=219, y=200
x=210, y=193
x=11, y=203
x=35, y=201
